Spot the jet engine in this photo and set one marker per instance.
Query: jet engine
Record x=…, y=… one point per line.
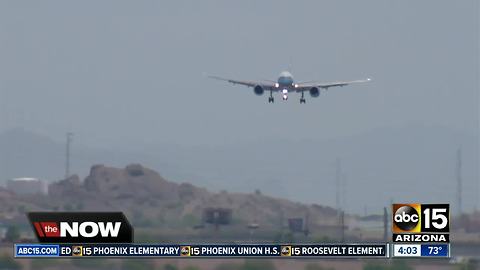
x=314, y=92
x=258, y=90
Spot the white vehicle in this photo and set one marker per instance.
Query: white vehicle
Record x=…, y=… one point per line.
x=286, y=84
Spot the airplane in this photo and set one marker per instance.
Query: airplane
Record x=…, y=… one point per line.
x=286, y=84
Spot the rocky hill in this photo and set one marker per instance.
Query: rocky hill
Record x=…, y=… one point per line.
x=150, y=201
x=392, y=160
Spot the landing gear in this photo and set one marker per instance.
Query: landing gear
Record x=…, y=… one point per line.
x=270, y=98
x=285, y=94
x=302, y=99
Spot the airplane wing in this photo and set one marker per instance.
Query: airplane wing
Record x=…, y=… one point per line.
x=270, y=86
x=307, y=86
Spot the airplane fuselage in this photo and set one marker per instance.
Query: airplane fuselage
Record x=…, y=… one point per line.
x=285, y=83
x=285, y=79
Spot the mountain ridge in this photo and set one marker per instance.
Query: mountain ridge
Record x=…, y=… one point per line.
x=389, y=159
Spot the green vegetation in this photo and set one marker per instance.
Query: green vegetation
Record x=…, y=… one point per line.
x=43, y=263
x=136, y=264
x=144, y=223
x=189, y=220
x=314, y=266
x=284, y=237
x=80, y=206
x=375, y=266
x=228, y=266
x=170, y=267
x=68, y=207
x=140, y=220
x=469, y=265
x=161, y=220
x=22, y=209
x=258, y=265
x=191, y=267
x=12, y=234
x=395, y=265
x=400, y=265
x=91, y=263
x=324, y=239
x=6, y=262
x=251, y=264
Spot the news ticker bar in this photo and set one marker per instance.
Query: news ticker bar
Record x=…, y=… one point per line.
x=211, y=251
x=148, y=250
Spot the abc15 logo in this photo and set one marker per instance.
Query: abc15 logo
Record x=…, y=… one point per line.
x=420, y=218
x=185, y=251
x=286, y=251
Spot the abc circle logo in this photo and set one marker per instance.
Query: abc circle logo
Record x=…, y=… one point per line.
x=185, y=251
x=286, y=250
x=406, y=218
x=420, y=218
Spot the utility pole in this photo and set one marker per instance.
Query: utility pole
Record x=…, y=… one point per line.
x=458, y=173
x=67, y=154
x=385, y=224
x=344, y=192
x=342, y=223
x=306, y=230
x=338, y=180
x=477, y=194
x=338, y=200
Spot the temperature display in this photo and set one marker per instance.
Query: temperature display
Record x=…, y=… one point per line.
x=435, y=250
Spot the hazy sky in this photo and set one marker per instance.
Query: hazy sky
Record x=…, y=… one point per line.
x=116, y=72
x=131, y=75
